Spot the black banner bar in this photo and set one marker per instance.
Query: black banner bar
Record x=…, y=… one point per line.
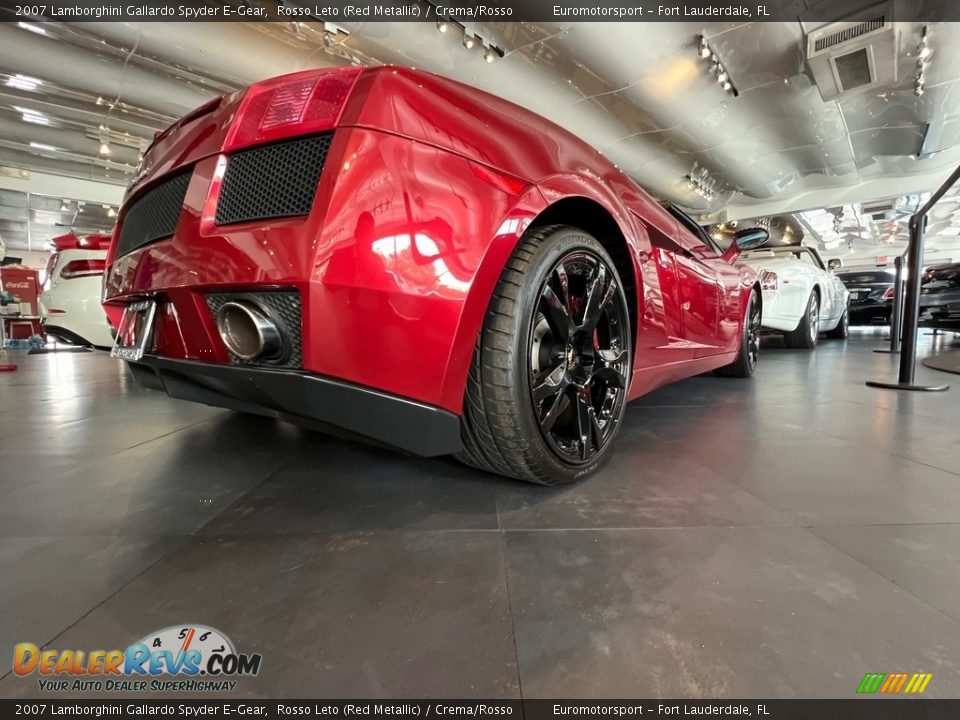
x=855, y=709
x=477, y=11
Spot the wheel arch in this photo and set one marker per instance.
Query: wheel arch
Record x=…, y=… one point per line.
x=593, y=218
x=565, y=200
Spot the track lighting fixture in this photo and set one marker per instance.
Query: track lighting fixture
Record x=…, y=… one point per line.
x=716, y=67
x=700, y=182
x=923, y=60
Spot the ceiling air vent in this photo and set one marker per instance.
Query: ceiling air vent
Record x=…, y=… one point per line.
x=853, y=55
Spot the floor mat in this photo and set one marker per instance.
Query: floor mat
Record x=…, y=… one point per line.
x=948, y=362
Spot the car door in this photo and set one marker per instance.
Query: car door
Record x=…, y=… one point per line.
x=698, y=264
x=834, y=293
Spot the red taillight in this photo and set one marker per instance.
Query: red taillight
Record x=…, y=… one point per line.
x=82, y=268
x=48, y=275
x=888, y=293
x=769, y=280
x=291, y=105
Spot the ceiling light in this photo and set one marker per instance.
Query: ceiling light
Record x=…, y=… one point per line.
x=469, y=41
x=443, y=25
x=923, y=61
x=716, y=67
x=42, y=146
x=104, y=148
x=23, y=82
x=111, y=212
x=492, y=53
x=704, y=47
x=32, y=116
x=32, y=28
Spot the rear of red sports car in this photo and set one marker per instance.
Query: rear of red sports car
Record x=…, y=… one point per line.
x=408, y=259
x=297, y=204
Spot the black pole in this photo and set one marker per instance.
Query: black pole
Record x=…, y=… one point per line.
x=911, y=306
x=911, y=309
x=896, y=316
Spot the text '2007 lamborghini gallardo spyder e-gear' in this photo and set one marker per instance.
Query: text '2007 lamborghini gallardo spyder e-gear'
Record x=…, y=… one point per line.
x=414, y=261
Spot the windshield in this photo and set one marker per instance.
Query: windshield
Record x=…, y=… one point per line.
x=797, y=252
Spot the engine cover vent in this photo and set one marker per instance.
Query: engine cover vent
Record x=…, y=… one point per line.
x=856, y=54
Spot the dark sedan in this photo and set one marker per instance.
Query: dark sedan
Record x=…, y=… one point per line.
x=871, y=296
x=940, y=297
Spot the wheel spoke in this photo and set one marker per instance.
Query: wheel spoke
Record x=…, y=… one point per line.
x=560, y=403
x=584, y=423
x=610, y=377
x=549, y=383
x=597, y=430
x=556, y=314
x=612, y=356
x=561, y=273
x=599, y=293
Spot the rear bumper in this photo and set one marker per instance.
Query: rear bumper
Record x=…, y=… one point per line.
x=870, y=313
x=305, y=399
x=945, y=315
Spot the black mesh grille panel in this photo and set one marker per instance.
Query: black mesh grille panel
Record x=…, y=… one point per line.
x=283, y=307
x=154, y=215
x=272, y=181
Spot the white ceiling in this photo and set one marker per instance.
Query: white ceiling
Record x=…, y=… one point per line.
x=637, y=91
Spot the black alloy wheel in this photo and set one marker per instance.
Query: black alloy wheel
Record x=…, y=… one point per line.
x=578, y=356
x=746, y=361
x=548, y=385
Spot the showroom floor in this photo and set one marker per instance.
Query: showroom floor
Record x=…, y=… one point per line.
x=779, y=537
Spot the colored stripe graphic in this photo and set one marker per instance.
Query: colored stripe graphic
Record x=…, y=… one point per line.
x=871, y=682
x=918, y=683
x=893, y=683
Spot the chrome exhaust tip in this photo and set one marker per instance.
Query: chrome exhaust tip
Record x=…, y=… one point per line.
x=248, y=332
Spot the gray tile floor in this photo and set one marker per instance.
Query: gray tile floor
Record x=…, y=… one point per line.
x=775, y=537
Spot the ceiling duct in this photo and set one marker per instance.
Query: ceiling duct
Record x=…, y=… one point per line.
x=855, y=54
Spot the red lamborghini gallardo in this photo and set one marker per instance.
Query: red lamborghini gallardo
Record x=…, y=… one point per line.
x=411, y=260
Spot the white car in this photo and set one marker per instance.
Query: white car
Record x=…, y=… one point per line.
x=70, y=301
x=801, y=296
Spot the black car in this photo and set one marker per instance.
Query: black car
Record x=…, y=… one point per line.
x=940, y=297
x=871, y=296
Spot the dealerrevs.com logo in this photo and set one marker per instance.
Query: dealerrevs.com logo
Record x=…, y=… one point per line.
x=186, y=658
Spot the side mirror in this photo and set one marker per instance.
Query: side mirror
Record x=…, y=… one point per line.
x=834, y=264
x=752, y=238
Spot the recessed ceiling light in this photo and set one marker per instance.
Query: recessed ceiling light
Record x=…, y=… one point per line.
x=32, y=116
x=23, y=82
x=32, y=28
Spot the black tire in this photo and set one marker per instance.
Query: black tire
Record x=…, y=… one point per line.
x=552, y=362
x=808, y=331
x=746, y=361
x=842, y=330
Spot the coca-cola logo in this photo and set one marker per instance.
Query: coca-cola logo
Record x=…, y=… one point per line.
x=24, y=285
